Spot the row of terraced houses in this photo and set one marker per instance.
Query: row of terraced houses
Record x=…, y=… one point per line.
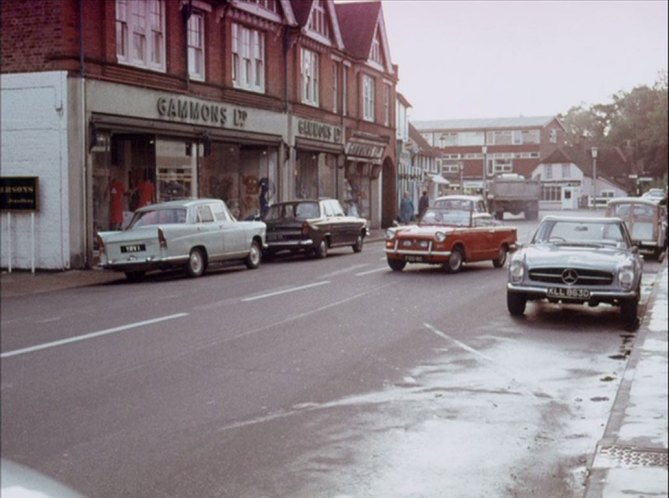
x=199, y=98
x=228, y=99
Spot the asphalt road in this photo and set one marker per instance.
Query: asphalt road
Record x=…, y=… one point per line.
x=304, y=378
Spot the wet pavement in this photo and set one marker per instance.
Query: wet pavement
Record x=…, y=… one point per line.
x=631, y=456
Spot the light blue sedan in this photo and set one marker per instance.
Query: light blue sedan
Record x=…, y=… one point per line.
x=188, y=234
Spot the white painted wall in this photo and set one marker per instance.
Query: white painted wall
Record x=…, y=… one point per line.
x=34, y=140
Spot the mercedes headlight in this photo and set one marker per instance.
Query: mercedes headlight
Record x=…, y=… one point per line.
x=390, y=234
x=626, y=277
x=516, y=271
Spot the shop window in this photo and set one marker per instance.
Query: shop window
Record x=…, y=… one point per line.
x=140, y=33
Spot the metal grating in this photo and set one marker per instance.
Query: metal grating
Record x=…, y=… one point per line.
x=635, y=457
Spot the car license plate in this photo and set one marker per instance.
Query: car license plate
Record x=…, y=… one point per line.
x=415, y=259
x=568, y=293
x=133, y=248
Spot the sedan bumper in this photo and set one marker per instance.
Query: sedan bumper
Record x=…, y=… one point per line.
x=595, y=294
x=145, y=264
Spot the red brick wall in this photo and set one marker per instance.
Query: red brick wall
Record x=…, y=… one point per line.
x=33, y=34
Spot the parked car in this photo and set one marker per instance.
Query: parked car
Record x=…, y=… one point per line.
x=188, y=234
x=577, y=260
x=456, y=229
x=646, y=221
x=312, y=227
x=655, y=194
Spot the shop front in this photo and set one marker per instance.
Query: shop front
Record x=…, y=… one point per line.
x=319, y=161
x=364, y=163
x=159, y=148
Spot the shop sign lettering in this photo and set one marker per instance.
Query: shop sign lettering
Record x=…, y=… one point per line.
x=204, y=112
x=18, y=193
x=319, y=131
x=358, y=149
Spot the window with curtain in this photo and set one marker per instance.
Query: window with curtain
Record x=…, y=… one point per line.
x=368, y=98
x=140, y=33
x=196, y=46
x=248, y=58
x=309, y=75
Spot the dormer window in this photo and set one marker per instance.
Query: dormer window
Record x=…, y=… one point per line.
x=317, y=21
x=265, y=4
x=375, y=54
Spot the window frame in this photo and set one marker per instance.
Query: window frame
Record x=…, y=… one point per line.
x=136, y=21
x=309, y=75
x=248, y=58
x=368, y=91
x=196, y=53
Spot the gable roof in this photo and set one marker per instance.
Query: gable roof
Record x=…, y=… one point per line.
x=359, y=22
x=423, y=146
x=486, y=123
x=611, y=162
x=302, y=12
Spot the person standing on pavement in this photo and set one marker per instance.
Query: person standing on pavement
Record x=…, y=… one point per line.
x=406, y=208
x=423, y=204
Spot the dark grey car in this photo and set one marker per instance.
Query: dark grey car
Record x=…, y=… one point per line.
x=312, y=227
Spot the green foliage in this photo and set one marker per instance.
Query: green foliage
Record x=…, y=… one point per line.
x=635, y=120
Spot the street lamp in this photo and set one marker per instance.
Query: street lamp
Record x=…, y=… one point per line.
x=484, y=150
x=594, y=176
x=461, y=166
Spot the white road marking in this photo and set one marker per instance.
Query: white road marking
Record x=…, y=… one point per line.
x=84, y=337
x=377, y=270
x=285, y=291
x=345, y=270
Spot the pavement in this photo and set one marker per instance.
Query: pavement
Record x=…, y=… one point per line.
x=631, y=459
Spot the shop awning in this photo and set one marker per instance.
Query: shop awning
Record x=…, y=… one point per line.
x=439, y=179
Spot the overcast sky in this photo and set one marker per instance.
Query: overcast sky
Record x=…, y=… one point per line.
x=490, y=59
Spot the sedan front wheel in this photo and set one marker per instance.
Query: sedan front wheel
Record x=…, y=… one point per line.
x=252, y=261
x=397, y=264
x=455, y=260
x=499, y=261
x=515, y=302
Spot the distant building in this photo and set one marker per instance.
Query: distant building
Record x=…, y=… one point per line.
x=475, y=150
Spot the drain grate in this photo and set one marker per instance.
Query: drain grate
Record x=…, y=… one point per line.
x=635, y=457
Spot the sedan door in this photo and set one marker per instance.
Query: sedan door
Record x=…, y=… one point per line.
x=207, y=232
x=235, y=240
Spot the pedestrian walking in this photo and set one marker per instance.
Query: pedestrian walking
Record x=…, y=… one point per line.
x=406, y=208
x=423, y=204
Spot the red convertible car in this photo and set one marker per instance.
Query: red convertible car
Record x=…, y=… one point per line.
x=455, y=229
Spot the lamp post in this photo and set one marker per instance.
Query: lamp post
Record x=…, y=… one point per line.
x=594, y=177
x=461, y=167
x=484, y=150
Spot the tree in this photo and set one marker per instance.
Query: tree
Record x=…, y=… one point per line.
x=635, y=119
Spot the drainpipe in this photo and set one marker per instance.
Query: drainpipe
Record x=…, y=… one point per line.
x=83, y=128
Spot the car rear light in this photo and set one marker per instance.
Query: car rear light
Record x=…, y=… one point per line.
x=161, y=239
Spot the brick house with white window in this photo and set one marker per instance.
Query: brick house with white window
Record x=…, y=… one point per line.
x=195, y=98
x=473, y=151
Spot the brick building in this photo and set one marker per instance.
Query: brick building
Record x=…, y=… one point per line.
x=105, y=99
x=473, y=151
